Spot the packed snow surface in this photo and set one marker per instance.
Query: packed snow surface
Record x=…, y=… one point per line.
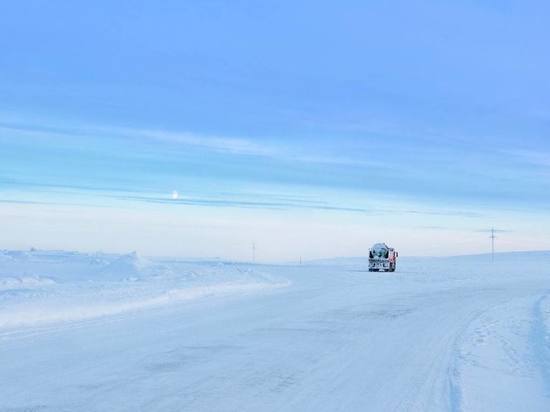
x=104, y=332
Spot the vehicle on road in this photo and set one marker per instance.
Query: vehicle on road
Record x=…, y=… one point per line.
x=382, y=258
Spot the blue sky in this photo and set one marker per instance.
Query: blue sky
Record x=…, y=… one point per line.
x=311, y=129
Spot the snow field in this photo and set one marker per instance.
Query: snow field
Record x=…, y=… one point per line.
x=446, y=334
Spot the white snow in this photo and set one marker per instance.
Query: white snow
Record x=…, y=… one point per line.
x=96, y=332
x=88, y=287
x=24, y=282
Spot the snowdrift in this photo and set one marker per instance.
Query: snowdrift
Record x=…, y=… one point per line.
x=42, y=287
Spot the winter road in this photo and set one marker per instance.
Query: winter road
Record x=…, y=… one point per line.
x=438, y=335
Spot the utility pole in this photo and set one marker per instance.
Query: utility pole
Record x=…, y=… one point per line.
x=492, y=237
x=254, y=252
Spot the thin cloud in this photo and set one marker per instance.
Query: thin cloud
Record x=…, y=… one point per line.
x=495, y=230
x=443, y=213
x=531, y=157
x=233, y=145
x=243, y=146
x=297, y=203
x=246, y=204
x=220, y=144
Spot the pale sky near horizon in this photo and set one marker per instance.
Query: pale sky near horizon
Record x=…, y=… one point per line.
x=312, y=129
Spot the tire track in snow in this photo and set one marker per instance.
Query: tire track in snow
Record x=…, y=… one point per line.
x=536, y=338
x=539, y=341
x=453, y=373
x=455, y=388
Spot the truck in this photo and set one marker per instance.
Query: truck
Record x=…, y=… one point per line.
x=382, y=258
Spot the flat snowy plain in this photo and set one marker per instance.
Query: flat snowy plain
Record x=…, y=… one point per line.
x=101, y=332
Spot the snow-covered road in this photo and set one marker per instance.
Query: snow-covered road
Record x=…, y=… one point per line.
x=438, y=335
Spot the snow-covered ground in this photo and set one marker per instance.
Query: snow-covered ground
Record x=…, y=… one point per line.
x=105, y=332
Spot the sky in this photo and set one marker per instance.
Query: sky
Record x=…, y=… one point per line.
x=312, y=129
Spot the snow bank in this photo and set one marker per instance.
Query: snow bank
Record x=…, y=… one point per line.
x=58, y=286
x=51, y=313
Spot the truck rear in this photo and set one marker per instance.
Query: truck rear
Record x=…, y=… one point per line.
x=382, y=258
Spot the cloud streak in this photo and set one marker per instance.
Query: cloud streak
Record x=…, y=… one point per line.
x=237, y=146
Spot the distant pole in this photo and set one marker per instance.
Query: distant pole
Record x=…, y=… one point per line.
x=493, y=237
x=254, y=252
